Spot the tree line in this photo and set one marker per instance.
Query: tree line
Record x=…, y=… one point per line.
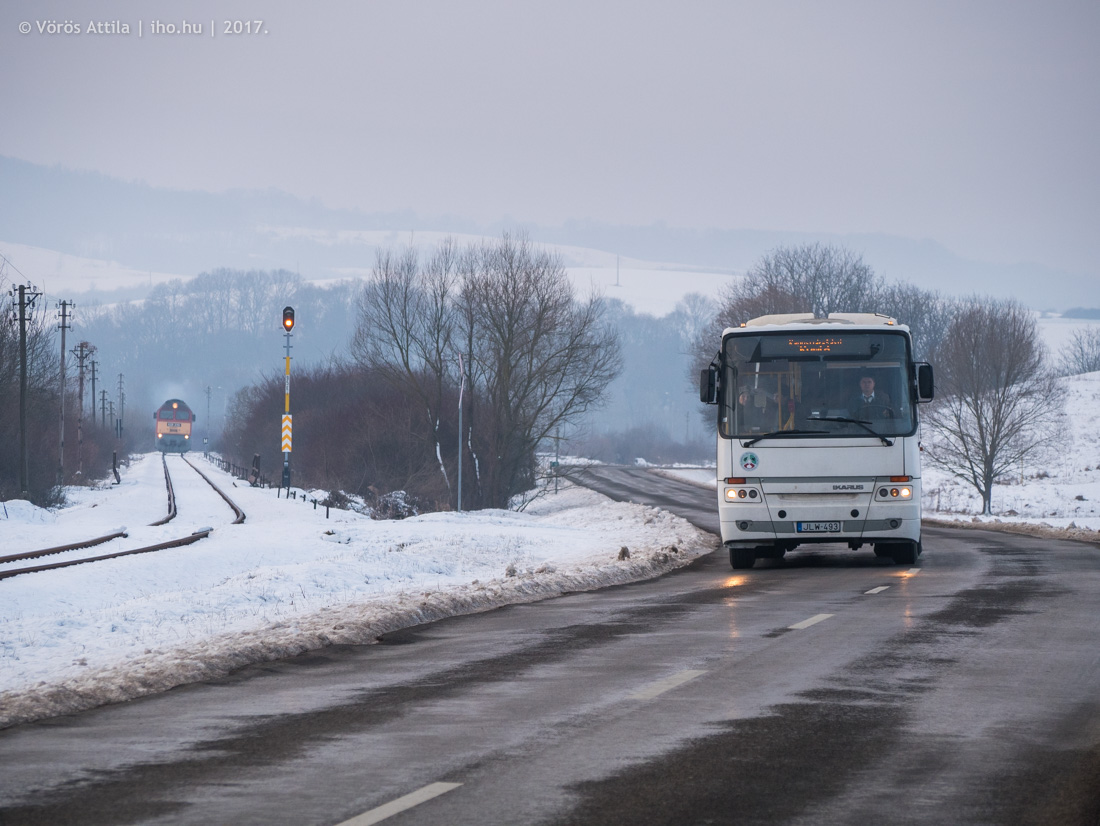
x=495, y=333
x=492, y=334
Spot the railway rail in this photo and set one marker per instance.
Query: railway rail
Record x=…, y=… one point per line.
x=195, y=536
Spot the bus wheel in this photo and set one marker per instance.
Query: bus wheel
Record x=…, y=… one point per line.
x=770, y=551
x=742, y=557
x=905, y=553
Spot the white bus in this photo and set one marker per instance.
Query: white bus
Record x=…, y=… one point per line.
x=818, y=435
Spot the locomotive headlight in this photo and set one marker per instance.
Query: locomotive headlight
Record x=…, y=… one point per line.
x=906, y=493
x=731, y=493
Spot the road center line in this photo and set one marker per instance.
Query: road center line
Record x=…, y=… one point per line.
x=386, y=810
x=877, y=590
x=667, y=684
x=806, y=623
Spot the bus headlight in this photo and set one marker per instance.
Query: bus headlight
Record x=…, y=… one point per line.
x=741, y=494
x=895, y=492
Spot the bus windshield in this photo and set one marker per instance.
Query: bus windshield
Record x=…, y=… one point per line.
x=817, y=384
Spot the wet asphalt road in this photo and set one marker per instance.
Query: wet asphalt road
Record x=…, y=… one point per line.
x=832, y=688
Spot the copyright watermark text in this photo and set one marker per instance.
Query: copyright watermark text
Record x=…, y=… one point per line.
x=141, y=28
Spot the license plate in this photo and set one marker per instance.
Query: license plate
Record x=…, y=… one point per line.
x=817, y=527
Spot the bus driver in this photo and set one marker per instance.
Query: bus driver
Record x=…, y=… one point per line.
x=868, y=403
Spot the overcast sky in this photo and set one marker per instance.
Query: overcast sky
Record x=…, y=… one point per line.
x=976, y=124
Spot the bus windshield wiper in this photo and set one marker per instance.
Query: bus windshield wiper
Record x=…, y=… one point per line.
x=775, y=434
x=845, y=420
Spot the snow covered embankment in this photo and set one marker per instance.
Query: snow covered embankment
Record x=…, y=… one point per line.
x=346, y=581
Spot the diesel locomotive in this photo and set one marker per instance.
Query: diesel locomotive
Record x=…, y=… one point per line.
x=174, y=423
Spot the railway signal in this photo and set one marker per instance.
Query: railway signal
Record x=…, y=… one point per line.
x=285, y=428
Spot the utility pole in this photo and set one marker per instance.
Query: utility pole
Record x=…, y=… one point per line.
x=26, y=298
x=557, y=456
x=121, y=407
x=206, y=440
x=95, y=364
x=64, y=306
x=103, y=407
x=461, y=388
x=82, y=351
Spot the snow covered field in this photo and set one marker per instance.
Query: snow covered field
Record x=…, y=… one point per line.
x=1059, y=489
x=286, y=581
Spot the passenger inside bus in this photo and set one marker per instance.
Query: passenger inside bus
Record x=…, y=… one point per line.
x=757, y=410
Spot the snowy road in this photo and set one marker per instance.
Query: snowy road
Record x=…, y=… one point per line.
x=835, y=689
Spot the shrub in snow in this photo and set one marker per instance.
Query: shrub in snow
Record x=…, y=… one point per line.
x=396, y=505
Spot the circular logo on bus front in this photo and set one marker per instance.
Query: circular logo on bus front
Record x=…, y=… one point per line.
x=749, y=461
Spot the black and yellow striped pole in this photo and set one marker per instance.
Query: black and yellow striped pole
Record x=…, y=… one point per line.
x=288, y=325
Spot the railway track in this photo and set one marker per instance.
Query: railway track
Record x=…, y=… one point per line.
x=194, y=536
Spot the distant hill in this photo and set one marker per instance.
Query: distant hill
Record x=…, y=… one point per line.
x=160, y=231
x=1082, y=312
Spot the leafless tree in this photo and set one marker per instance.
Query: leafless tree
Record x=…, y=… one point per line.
x=997, y=403
x=802, y=279
x=926, y=313
x=407, y=328
x=535, y=356
x=544, y=357
x=1081, y=354
x=692, y=314
x=810, y=278
x=824, y=279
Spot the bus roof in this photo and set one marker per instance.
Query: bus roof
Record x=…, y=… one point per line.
x=804, y=320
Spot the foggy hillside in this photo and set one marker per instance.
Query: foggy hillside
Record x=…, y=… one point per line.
x=188, y=232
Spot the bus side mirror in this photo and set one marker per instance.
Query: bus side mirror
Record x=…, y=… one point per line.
x=926, y=388
x=708, y=385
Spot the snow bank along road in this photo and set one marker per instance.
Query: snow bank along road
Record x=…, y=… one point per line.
x=288, y=580
x=837, y=688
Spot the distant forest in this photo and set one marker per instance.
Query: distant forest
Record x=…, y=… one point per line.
x=1082, y=312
